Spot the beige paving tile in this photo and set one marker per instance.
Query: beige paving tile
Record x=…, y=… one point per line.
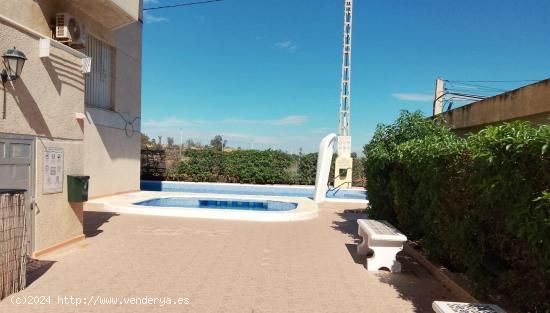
x=228, y=266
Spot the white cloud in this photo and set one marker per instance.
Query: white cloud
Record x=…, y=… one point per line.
x=287, y=120
x=204, y=130
x=150, y=18
x=171, y=123
x=413, y=97
x=290, y=120
x=261, y=140
x=174, y=122
x=287, y=45
x=235, y=139
x=320, y=131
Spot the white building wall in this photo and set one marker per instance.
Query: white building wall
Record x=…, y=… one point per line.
x=43, y=102
x=114, y=136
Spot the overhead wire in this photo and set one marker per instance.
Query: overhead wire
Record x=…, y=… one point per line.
x=468, y=91
x=180, y=5
x=465, y=92
x=474, y=86
x=496, y=81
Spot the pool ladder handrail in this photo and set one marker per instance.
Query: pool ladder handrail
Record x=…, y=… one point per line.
x=337, y=188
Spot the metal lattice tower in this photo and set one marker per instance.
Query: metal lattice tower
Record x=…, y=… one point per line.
x=344, y=162
x=345, y=92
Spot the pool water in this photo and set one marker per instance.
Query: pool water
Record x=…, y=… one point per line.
x=262, y=190
x=224, y=204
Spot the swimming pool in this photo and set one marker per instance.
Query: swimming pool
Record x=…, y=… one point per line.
x=211, y=206
x=242, y=189
x=225, y=204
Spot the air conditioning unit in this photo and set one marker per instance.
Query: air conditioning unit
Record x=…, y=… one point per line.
x=69, y=30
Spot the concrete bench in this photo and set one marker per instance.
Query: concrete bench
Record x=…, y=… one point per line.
x=462, y=307
x=384, y=240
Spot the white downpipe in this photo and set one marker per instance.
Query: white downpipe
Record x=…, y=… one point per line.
x=326, y=149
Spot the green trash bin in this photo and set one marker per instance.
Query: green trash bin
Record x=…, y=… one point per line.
x=77, y=187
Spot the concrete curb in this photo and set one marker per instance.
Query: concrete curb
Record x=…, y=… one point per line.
x=306, y=209
x=40, y=253
x=441, y=274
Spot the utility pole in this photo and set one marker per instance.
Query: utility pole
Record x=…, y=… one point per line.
x=438, y=98
x=344, y=162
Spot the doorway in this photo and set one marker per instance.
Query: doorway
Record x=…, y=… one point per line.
x=17, y=172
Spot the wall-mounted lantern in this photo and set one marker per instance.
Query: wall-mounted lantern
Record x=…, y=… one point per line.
x=13, y=64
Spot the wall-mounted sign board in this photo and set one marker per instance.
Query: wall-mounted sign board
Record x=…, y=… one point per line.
x=53, y=170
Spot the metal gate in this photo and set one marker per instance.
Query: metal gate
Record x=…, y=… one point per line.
x=17, y=172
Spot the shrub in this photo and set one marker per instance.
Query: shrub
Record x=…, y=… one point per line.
x=259, y=167
x=239, y=166
x=380, y=157
x=204, y=165
x=511, y=178
x=307, y=169
x=248, y=167
x=480, y=204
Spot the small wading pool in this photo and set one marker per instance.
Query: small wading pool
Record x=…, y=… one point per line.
x=212, y=206
x=223, y=204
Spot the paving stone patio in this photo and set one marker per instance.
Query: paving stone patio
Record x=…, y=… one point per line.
x=225, y=266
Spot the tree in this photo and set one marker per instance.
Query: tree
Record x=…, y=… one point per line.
x=145, y=141
x=170, y=141
x=218, y=143
x=189, y=143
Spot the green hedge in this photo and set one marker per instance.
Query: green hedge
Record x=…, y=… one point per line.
x=241, y=166
x=307, y=169
x=479, y=204
x=248, y=167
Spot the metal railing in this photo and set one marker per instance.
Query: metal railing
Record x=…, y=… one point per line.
x=339, y=187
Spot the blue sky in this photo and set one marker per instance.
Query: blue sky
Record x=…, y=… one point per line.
x=266, y=73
